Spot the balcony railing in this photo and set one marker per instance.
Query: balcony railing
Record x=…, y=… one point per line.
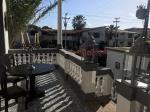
x=22, y=56
x=83, y=73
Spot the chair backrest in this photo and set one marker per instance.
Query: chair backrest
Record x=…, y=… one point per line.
x=9, y=61
x=3, y=78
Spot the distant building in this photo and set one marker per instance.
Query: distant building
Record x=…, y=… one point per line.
x=73, y=39
x=138, y=30
x=123, y=39
x=78, y=37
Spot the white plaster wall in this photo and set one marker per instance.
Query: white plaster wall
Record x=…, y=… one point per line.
x=112, y=57
x=61, y=60
x=107, y=83
x=87, y=85
x=115, y=56
x=123, y=105
x=136, y=106
x=5, y=31
x=144, y=64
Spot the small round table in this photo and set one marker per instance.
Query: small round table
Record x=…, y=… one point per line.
x=30, y=71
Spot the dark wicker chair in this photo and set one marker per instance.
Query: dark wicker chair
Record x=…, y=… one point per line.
x=12, y=92
x=9, y=61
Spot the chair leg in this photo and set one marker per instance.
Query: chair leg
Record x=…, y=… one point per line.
x=27, y=82
x=0, y=102
x=6, y=105
x=26, y=103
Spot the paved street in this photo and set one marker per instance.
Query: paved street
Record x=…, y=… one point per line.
x=59, y=97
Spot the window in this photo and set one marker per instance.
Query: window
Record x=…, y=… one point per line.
x=130, y=35
x=117, y=65
x=96, y=35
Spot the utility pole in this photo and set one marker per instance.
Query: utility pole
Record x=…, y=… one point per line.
x=59, y=24
x=66, y=19
x=146, y=20
x=116, y=38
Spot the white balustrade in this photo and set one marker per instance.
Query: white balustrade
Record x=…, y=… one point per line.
x=39, y=56
x=76, y=71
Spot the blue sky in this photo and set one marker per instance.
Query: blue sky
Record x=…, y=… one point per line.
x=97, y=12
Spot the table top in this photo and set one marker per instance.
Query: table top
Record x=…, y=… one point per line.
x=31, y=70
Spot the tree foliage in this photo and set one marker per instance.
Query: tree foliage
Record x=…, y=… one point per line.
x=21, y=12
x=78, y=22
x=46, y=10
x=46, y=27
x=110, y=31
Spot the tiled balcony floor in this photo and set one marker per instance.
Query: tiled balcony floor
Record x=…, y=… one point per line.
x=59, y=97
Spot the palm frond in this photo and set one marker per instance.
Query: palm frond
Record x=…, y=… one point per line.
x=46, y=10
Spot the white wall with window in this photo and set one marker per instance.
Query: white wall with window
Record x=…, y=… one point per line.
x=115, y=60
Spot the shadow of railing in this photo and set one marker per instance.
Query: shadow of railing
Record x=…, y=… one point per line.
x=55, y=100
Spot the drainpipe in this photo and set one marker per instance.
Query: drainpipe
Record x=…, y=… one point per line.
x=59, y=25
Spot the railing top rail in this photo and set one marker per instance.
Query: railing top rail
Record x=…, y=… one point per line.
x=78, y=60
x=40, y=50
x=133, y=93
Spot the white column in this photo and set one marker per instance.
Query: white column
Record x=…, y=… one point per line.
x=6, y=41
x=59, y=23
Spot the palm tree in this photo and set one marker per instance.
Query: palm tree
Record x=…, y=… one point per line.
x=109, y=31
x=78, y=22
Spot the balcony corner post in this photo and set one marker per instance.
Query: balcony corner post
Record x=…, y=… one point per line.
x=59, y=25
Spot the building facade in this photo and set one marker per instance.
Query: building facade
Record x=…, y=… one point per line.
x=123, y=39
x=73, y=39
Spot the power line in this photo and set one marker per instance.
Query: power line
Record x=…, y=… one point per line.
x=102, y=16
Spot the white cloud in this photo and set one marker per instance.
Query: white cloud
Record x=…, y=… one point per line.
x=132, y=15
